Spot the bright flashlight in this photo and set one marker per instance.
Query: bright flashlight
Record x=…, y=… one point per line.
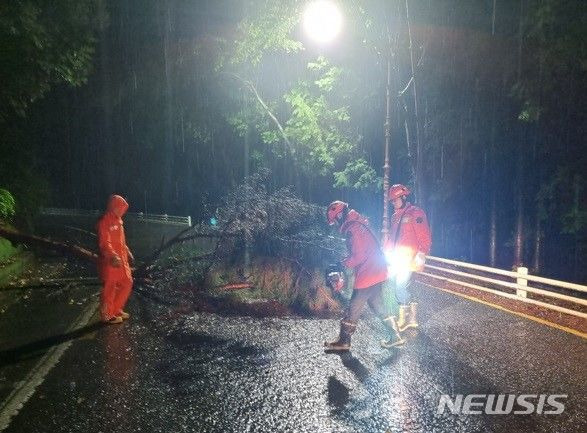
x=322, y=20
x=398, y=260
x=399, y=264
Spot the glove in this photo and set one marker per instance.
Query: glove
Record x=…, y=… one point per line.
x=334, y=276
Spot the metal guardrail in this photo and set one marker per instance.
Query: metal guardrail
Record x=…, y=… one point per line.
x=520, y=285
x=139, y=216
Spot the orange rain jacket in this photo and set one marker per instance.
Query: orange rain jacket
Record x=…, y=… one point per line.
x=111, y=242
x=366, y=257
x=409, y=228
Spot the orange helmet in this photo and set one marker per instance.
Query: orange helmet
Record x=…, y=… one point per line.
x=334, y=210
x=398, y=190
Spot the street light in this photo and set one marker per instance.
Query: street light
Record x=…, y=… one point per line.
x=322, y=20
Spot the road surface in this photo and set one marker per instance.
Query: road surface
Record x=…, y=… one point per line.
x=168, y=370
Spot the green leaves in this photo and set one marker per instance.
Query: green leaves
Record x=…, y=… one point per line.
x=357, y=174
x=317, y=127
x=329, y=74
x=303, y=116
x=267, y=33
x=7, y=204
x=530, y=112
x=44, y=43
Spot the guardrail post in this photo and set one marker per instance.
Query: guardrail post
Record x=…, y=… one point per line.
x=189, y=220
x=522, y=272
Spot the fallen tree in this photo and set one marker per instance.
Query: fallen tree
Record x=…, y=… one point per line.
x=270, y=243
x=19, y=237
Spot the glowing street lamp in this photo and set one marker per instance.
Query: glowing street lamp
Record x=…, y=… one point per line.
x=322, y=20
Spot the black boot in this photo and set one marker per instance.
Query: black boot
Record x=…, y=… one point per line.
x=344, y=339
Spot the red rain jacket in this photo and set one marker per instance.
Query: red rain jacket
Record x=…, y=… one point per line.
x=413, y=232
x=111, y=240
x=366, y=257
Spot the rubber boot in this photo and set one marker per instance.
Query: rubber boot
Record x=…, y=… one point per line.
x=113, y=320
x=395, y=340
x=412, y=321
x=402, y=320
x=344, y=338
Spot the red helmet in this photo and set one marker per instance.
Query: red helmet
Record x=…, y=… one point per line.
x=334, y=210
x=398, y=190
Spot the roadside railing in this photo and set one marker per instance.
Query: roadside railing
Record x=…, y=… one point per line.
x=453, y=271
x=139, y=216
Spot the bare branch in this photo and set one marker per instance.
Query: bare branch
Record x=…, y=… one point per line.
x=233, y=286
x=253, y=89
x=401, y=92
x=77, y=229
x=164, y=245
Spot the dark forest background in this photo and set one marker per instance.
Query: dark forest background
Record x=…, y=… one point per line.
x=171, y=103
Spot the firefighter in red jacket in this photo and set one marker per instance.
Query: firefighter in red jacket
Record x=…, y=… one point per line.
x=406, y=250
x=370, y=269
x=113, y=262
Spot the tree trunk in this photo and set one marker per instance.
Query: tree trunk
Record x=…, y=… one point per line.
x=493, y=18
x=106, y=139
x=493, y=228
x=576, y=216
x=167, y=153
x=538, y=244
x=492, y=182
x=519, y=201
x=62, y=247
x=519, y=205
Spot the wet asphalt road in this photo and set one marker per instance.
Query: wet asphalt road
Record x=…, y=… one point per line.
x=170, y=371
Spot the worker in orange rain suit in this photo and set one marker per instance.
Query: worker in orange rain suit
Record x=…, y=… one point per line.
x=113, y=262
x=406, y=249
x=370, y=269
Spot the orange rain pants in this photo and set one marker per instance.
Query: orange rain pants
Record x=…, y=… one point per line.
x=117, y=280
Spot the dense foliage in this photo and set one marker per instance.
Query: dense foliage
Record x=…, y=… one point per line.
x=274, y=243
x=44, y=45
x=7, y=204
x=487, y=125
